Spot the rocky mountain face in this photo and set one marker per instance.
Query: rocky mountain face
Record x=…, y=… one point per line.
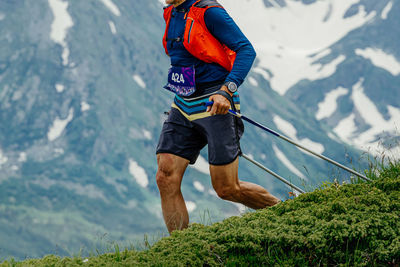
x=82, y=104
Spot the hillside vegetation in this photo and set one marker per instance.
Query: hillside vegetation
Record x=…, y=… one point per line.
x=349, y=224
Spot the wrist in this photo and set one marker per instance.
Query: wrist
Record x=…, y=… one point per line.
x=225, y=89
x=231, y=86
x=225, y=94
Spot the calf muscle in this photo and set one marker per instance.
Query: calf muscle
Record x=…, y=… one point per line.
x=228, y=186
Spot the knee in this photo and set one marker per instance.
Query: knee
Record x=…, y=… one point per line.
x=167, y=181
x=228, y=193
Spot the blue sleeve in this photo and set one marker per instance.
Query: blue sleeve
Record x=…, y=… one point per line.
x=222, y=27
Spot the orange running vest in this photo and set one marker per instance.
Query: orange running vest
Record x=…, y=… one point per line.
x=197, y=40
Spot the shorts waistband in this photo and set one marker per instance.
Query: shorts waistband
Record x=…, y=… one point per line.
x=194, y=108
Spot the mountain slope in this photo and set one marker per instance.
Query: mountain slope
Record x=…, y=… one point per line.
x=82, y=104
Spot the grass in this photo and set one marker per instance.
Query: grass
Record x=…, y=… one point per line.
x=356, y=224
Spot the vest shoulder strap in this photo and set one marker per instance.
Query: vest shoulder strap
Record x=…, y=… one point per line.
x=167, y=12
x=207, y=3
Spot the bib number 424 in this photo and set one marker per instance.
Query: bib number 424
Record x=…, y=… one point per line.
x=178, y=78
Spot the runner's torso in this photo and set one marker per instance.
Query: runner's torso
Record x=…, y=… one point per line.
x=206, y=74
x=209, y=77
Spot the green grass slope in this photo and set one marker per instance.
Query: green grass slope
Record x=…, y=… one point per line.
x=350, y=224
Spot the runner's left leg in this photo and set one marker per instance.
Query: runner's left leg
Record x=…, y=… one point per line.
x=226, y=183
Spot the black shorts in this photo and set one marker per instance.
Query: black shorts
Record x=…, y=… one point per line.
x=185, y=138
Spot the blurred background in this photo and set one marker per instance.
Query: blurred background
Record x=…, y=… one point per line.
x=82, y=105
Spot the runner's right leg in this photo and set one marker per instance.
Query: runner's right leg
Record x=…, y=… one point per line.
x=169, y=178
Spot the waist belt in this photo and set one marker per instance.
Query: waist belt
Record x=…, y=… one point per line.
x=194, y=109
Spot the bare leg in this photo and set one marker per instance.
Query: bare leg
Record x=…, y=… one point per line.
x=169, y=178
x=228, y=186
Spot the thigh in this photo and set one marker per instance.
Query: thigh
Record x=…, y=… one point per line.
x=225, y=176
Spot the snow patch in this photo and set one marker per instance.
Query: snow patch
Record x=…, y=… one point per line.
x=112, y=27
x=112, y=7
x=365, y=106
x=60, y=88
x=119, y=187
x=3, y=158
x=253, y=81
x=59, y=151
x=328, y=106
x=333, y=137
x=22, y=157
x=131, y=204
x=369, y=139
x=381, y=59
x=190, y=205
x=201, y=165
x=60, y=25
x=138, y=173
x=199, y=187
x=262, y=72
x=88, y=190
x=139, y=81
x=58, y=126
x=84, y=106
x=371, y=115
x=140, y=134
x=328, y=69
x=285, y=48
x=321, y=54
x=147, y=134
x=212, y=192
x=281, y=156
x=346, y=128
x=288, y=129
x=386, y=10
x=241, y=208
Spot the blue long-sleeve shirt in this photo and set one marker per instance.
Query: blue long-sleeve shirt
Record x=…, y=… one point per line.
x=225, y=30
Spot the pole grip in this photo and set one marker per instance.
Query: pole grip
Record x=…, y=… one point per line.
x=208, y=103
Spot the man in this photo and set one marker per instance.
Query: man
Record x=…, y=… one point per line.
x=210, y=58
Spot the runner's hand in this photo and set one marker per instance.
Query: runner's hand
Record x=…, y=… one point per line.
x=221, y=105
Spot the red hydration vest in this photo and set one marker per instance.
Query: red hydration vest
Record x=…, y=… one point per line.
x=197, y=40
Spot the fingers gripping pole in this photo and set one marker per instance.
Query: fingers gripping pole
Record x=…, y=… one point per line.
x=294, y=143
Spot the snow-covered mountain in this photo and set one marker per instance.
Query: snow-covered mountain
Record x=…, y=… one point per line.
x=81, y=108
x=310, y=42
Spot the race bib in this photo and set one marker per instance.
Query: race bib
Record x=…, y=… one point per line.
x=181, y=81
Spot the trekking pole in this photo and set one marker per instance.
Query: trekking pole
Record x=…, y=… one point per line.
x=272, y=173
x=210, y=103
